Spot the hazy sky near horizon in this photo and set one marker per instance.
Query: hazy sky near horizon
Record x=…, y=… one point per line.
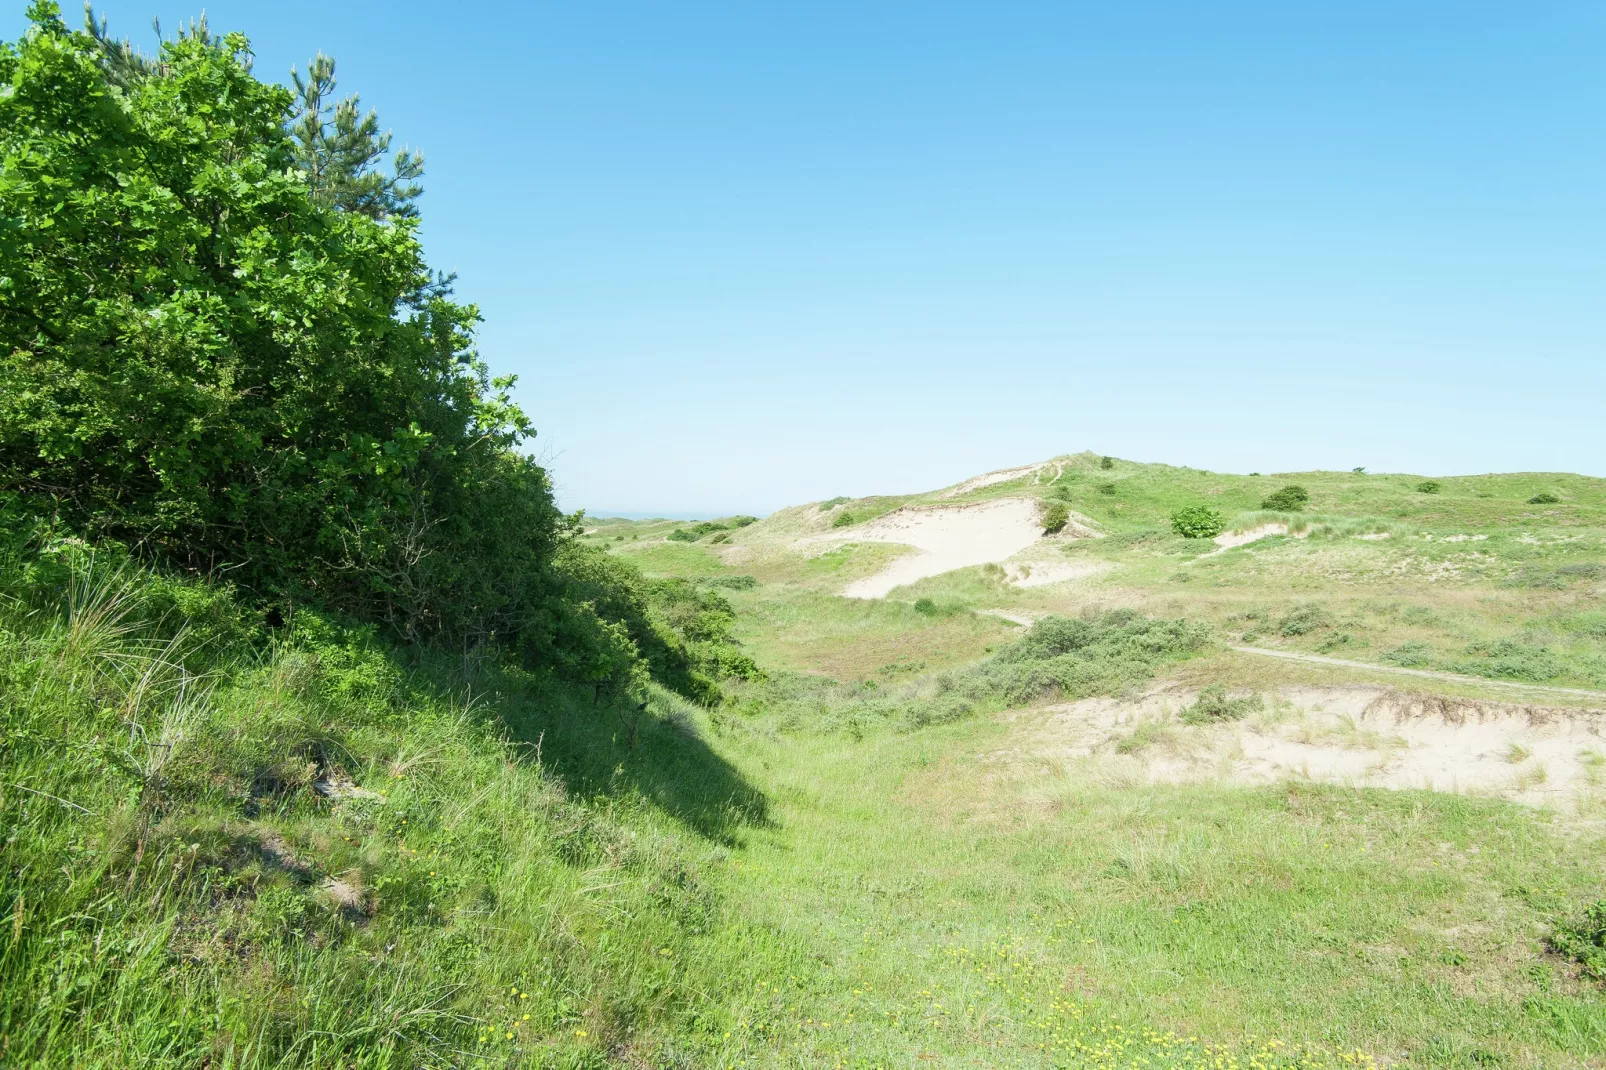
x=743, y=256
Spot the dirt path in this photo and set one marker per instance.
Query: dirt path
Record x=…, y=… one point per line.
x=1318, y=659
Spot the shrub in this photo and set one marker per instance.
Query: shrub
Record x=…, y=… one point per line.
x=1511, y=659
x=843, y=519
x=1213, y=707
x=1055, y=517
x=1107, y=489
x=1198, y=522
x=1290, y=499
x=1583, y=940
x=1412, y=655
x=734, y=583
x=1544, y=498
x=1429, y=486
x=681, y=535
x=1106, y=462
x=926, y=606
x=743, y=521
x=1305, y=619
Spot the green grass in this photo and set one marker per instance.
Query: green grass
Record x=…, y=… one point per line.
x=868, y=859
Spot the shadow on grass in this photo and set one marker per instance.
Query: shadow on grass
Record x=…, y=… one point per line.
x=671, y=766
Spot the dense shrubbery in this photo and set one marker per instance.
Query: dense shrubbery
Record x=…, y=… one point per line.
x=227, y=366
x=1055, y=517
x=1198, y=522
x=1290, y=499
x=1544, y=498
x=1429, y=486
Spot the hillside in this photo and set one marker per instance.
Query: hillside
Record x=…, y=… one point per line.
x=328, y=741
x=1371, y=850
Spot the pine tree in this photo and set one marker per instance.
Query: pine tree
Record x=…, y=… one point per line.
x=342, y=153
x=340, y=149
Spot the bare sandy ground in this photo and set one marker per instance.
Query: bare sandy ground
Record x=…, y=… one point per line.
x=945, y=538
x=1357, y=735
x=988, y=479
x=1043, y=573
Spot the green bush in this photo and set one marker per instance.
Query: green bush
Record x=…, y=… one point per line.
x=1429, y=486
x=1212, y=706
x=1055, y=517
x=1107, y=489
x=200, y=358
x=1290, y=499
x=734, y=583
x=926, y=606
x=1198, y=522
x=1583, y=939
x=1544, y=498
x=1106, y=462
x=842, y=520
x=743, y=521
x=1511, y=659
x=1305, y=619
x=1411, y=655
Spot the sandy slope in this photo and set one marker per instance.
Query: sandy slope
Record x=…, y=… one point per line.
x=945, y=538
x=1359, y=735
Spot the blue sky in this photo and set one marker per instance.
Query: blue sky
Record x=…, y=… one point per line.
x=744, y=256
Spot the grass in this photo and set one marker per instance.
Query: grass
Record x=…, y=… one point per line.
x=867, y=859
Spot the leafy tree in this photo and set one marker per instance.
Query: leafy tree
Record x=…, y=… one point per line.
x=1197, y=522
x=202, y=361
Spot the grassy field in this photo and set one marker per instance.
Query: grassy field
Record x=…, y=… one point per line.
x=317, y=849
x=971, y=907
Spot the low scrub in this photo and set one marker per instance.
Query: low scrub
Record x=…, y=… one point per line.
x=1198, y=522
x=1429, y=486
x=1544, y=498
x=1583, y=940
x=1214, y=706
x=1290, y=499
x=1055, y=517
x=1302, y=620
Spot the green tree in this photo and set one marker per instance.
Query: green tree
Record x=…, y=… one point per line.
x=202, y=361
x=341, y=150
x=1055, y=517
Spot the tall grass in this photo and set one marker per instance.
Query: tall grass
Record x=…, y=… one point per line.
x=305, y=850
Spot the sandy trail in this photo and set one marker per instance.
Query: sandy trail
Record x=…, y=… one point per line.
x=945, y=538
x=1367, y=736
x=1318, y=659
x=988, y=479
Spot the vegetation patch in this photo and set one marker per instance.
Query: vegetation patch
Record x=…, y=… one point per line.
x=1583, y=940
x=1290, y=499
x=1198, y=522
x=1214, y=706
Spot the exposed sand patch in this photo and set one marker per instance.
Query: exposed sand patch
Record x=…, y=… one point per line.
x=988, y=479
x=1043, y=573
x=945, y=537
x=1361, y=736
x=1229, y=539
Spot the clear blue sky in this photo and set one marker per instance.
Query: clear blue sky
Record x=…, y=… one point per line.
x=744, y=256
